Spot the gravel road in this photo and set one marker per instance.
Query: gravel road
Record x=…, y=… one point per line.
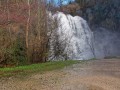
x=90, y=75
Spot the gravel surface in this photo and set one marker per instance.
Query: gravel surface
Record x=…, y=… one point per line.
x=90, y=75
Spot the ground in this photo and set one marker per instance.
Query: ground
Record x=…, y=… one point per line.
x=89, y=75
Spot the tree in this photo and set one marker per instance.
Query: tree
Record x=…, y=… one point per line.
x=28, y=22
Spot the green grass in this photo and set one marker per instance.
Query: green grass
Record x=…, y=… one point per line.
x=42, y=67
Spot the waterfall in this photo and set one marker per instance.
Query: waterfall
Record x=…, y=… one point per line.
x=73, y=39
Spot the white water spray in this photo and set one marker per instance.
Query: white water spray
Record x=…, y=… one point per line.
x=78, y=42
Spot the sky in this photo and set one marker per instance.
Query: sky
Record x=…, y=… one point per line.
x=64, y=1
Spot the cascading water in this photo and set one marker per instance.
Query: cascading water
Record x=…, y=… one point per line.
x=74, y=40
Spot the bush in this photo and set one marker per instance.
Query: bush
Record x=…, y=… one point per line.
x=19, y=52
x=12, y=50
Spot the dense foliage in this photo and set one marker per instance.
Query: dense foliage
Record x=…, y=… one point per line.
x=104, y=13
x=101, y=12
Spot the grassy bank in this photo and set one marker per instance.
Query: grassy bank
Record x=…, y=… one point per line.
x=42, y=67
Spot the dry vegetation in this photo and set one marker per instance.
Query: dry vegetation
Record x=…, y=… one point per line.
x=23, y=32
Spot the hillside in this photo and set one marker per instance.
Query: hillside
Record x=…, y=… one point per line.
x=104, y=13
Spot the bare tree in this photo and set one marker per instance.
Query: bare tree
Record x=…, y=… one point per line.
x=28, y=23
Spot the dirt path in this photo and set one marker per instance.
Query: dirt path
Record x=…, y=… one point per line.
x=92, y=75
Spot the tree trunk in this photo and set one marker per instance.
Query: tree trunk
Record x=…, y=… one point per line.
x=28, y=24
